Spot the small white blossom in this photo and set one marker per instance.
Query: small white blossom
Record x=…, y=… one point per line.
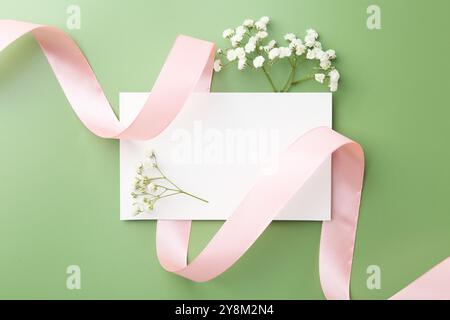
x=311, y=54
x=285, y=52
x=274, y=53
x=334, y=75
x=261, y=24
x=264, y=19
x=320, y=77
x=319, y=54
x=242, y=63
x=152, y=188
x=241, y=30
x=219, y=51
x=331, y=53
x=217, y=65
x=312, y=33
x=269, y=46
x=227, y=33
x=333, y=86
x=290, y=37
x=236, y=39
x=240, y=52
x=250, y=47
x=258, y=61
x=310, y=41
x=325, y=64
x=248, y=23
x=334, y=80
x=318, y=45
x=261, y=34
x=231, y=55
x=300, y=49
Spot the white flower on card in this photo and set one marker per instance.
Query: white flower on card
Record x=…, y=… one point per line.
x=217, y=65
x=320, y=77
x=258, y=62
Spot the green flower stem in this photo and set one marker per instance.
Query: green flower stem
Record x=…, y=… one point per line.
x=269, y=79
x=291, y=77
x=310, y=77
x=178, y=189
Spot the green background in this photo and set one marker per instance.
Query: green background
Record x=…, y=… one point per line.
x=59, y=184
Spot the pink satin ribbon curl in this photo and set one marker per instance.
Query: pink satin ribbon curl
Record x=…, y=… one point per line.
x=188, y=68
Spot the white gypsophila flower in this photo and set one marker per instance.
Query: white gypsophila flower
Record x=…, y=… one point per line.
x=261, y=24
x=248, y=23
x=312, y=33
x=250, y=47
x=152, y=188
x=150, y=153
x=241, y=30
x=334, y=75
x=319, y=54
x=242, y=63
x=331, y=53
x=264, y=19
x=240, y=52
x=258, y=62
x=311, y=54
x=227, y=33
x=236, y=39
x=231, y=55
x=300, y=49
x=333, y=86
x=325, y=64
x=320, y=77
x=290, y=37
x=219, y=51
x=285, y=52
x=318, y=45
x=138, y=208
x=269, y=45
x=149, y=163
x=217, y=65
x=274, y=53
x=261, y=35
x=310, y=41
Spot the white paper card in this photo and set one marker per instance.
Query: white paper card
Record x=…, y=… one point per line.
x=218, y=145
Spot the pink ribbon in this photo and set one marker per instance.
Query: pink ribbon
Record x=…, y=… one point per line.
x=189, y=68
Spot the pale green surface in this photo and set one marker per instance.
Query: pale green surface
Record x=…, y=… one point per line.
x=59, y=184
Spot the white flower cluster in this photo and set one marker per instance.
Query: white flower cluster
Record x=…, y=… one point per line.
x=249, y=43
x=151, y=185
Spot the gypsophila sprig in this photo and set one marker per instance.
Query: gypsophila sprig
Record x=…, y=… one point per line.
x=250, y=49
x=151, y=185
